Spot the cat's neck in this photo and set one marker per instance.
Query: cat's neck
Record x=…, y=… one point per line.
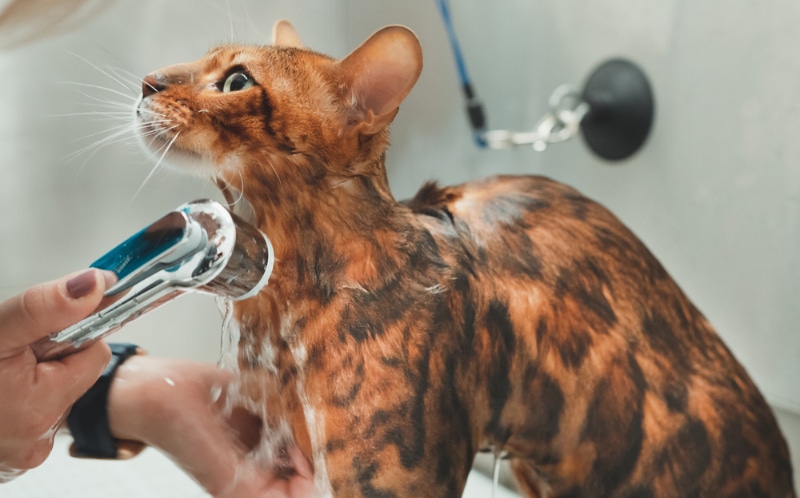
x=347, y=231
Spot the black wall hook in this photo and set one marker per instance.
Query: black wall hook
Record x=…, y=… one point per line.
x=621, y=110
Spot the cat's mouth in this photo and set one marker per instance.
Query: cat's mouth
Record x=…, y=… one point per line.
x=161, y=138
x=157, y=132
x=158, y=139
x=158, y=128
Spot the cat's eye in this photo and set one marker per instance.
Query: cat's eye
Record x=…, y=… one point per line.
x=237, y=81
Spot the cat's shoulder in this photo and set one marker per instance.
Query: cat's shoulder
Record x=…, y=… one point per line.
x=498, y=197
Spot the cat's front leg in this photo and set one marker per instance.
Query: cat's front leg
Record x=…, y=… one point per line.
x=378, y=429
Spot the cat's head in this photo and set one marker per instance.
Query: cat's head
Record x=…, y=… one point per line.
x=265, y=107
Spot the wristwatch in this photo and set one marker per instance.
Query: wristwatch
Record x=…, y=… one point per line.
x=88, y=419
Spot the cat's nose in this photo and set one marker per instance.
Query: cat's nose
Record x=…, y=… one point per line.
x=151, y=85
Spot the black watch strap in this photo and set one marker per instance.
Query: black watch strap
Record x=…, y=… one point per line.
x=88, y=419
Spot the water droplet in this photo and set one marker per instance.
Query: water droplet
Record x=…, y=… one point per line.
x=496, y=473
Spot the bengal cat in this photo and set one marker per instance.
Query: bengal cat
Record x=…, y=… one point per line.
x=395, y=340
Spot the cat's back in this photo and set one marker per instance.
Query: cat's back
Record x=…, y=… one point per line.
x=533, y=217
x=630, y=370
x=550, y=235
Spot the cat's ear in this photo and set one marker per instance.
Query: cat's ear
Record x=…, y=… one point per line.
x=380, y=73
x=284, y=35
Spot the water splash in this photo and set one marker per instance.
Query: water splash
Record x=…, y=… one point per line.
x=496, y=473
x=314, y=424
x=8, y=474
x=499, y=456
x=267, y=450
x=262, y=381
x=230, y=336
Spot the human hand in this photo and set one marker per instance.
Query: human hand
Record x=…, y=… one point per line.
x=36, y=395
x=177, y=406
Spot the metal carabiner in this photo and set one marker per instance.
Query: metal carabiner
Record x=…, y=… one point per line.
x=560, y=123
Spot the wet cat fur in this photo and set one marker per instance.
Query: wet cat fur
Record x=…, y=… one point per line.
x=396, y=340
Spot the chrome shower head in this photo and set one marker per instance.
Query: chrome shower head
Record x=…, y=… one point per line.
x=199, y=247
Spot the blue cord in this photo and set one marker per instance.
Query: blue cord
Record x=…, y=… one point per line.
x=474, y=107
x=444, y=9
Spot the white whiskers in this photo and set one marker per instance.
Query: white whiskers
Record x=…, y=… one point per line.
x=108, y=104
x=92, y=86
x=275, y=171
x=118, y=102
x=164, y=151
x=280, y=183
x=111, y=73
x=230, y=20
x=230, y=187
x=114, y=134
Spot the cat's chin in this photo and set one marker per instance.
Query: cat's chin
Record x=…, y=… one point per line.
x=178, y=159
x=190, y=163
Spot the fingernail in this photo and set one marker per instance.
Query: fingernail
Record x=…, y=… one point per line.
x=109, y=277
x=82, y=285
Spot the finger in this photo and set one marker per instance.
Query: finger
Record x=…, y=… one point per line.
x=69, y=378
x=49, y=307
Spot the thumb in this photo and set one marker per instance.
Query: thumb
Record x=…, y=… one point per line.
x=50, y=307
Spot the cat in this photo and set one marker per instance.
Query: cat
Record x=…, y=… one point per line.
x=395, y=340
